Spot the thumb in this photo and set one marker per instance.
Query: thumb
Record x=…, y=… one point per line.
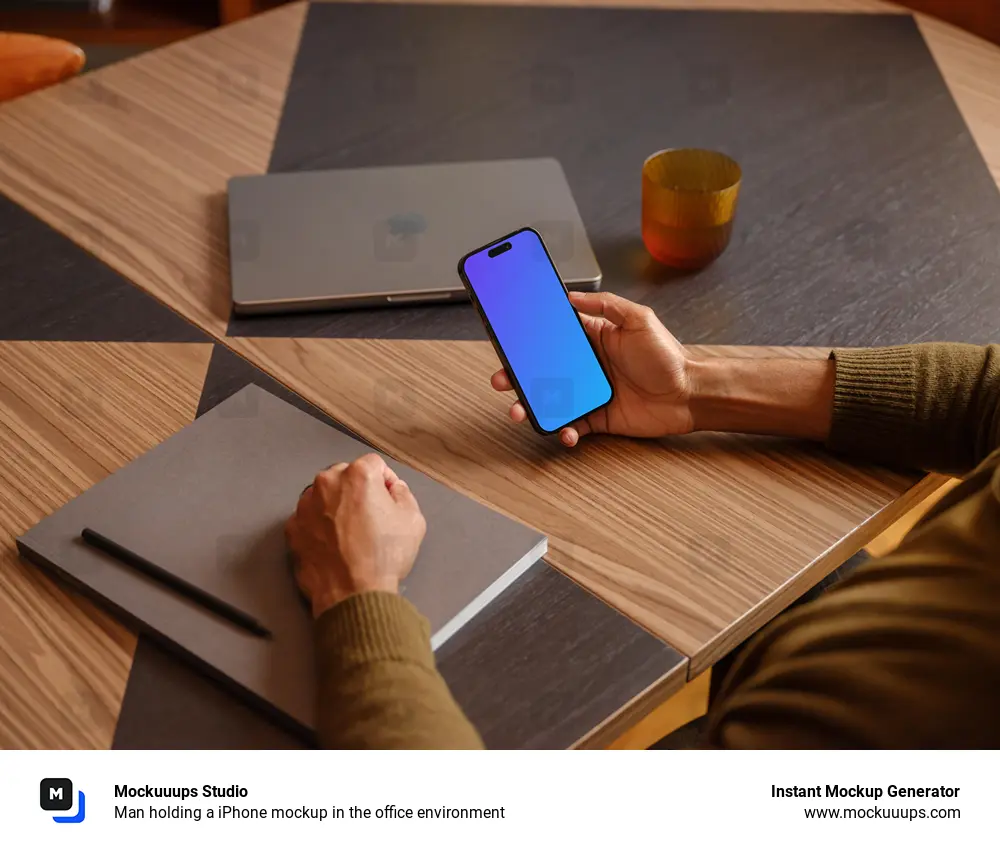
x=622, y=312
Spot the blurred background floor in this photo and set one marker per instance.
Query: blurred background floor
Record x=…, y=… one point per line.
x=99, y=55
x=99, y=22
x=92, y=23
x=112, y=30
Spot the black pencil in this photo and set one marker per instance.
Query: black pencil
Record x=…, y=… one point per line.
x=185, y=588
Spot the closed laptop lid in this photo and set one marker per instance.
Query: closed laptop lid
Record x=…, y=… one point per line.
x=357, y=237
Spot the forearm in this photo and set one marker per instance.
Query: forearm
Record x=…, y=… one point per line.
x=378, y=685
x=934, y=406
x=786, y=397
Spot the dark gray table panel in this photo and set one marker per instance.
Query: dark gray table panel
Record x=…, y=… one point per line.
x=548, y=661
x=867, y=214
x=51, y=289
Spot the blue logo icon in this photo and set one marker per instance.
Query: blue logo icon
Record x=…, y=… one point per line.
x=56, y=795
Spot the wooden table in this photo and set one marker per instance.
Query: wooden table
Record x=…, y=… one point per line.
x=131, y=163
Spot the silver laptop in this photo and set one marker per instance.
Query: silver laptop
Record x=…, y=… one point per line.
x=389, y=236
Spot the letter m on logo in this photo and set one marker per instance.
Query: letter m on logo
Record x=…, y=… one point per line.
x=56, y=795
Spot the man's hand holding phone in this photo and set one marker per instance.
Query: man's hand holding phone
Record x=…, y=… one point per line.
x=659, y=390
x=648, y=369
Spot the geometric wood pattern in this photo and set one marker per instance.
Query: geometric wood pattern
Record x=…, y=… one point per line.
x=131, y=164
x=228, y=374
x=131, y=161
x=71, y=414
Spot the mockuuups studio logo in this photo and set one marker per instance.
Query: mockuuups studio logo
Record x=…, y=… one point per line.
x=56, y=795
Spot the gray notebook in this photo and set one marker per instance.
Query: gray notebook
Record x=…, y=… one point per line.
x=210, y=504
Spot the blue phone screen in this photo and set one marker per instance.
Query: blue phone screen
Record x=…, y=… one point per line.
x=538, y=330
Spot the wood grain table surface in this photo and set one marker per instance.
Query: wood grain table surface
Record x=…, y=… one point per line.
x=64, y=664
x=699, y=540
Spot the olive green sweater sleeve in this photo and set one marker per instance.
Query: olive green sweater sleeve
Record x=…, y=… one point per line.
x=933, y=406
x=906, y=652
x=378, y=686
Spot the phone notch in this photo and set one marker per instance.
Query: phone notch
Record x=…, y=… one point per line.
x=498, y=250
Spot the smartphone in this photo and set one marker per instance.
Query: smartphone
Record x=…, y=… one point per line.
x=537, y=334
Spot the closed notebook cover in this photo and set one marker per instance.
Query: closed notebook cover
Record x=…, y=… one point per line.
x=209, y=505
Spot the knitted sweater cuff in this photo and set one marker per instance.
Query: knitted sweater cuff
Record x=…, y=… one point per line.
x=874, y=400
x=375, y=626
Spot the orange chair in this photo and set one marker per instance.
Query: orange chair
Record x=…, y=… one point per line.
x=29, y=62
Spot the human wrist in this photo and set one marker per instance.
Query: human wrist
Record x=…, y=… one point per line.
x=329, y=597
x=709, y=388
x=781, y=397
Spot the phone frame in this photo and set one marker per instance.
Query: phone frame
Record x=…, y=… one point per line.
x=499, y=349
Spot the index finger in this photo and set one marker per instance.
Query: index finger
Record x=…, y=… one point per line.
x=390, y=476
x=500, y=382
x=612, y=307
x=328, y=478
x=375, y=467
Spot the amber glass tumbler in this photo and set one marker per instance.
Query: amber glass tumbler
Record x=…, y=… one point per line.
x=688, y=205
